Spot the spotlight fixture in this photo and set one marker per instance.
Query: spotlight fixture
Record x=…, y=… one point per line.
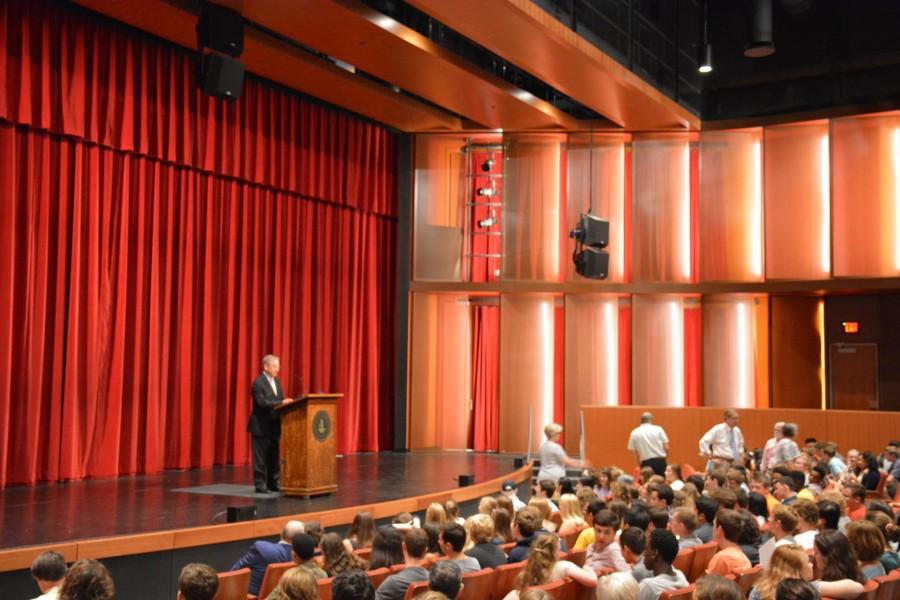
x=706, y=65
x=488, y=191
x=592, y=235
x=762, y=40
x=486, y=165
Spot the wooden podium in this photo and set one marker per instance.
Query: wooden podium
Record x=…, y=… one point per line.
x=308, y=429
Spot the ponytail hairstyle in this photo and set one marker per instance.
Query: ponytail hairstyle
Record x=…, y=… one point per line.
x=539, y=568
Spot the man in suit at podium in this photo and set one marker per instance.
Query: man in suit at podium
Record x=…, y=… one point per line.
x=265, y=425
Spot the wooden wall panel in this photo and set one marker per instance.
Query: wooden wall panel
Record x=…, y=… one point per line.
x=796, y=351
x=607, y=429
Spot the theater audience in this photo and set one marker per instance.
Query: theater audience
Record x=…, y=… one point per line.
x=790, y=561
x=510, y=490
x=543, y=567
x=262, y=553
x=198, y=582
x=87, y=579
x=446, y=577
x=868, y=544
x=453, y=540
x=362, y=531
x=727, y=531
x=297, y=583
x=855, y=497
x=452, y=510
x=796, y=589
x=785, y=490
x=542, y=505
x=706, y=514
x=750, y=536
x=673, y=477
x=352, y=585
x=502, y=527
x=683, y=524
x=662, y=548
x=605, y=552
x=387, y=548
x=889, y=559
x=572, y=517
x=782, y=524
x=586, y=537
x=527, y=522
x=871, y=475
x=304, y=553
x=545, y=489
x=633, y=542
x=481, y=529
x=413, y=547
x=336, y=557
x=487, y=505
x=808, y=523
x=616, y=586
x=435, y=515
x=48, y=570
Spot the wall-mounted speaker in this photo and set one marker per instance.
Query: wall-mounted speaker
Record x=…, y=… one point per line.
x=221, y=76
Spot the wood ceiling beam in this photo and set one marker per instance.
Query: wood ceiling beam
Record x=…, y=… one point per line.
x=522, y=33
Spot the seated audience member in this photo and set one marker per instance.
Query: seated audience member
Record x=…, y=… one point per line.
x=387, y=548
x=297, y=583
x=506, y=504
x=487, y=505
x=453, y=540
x=87, y=579
x=687, y=496
x=543, y=567
x=304, y=554
x=545, y=489
x=605, y=551
x=48, y=570
x=452, y=510
x=661, y=551
x=782, y=524
x=435, y=515
x=698, y=481
x=871, y=475
x=758, y=507
x=683, y=524
x=314, y=530
x=337, y=558
x=481, y=529
x=736, y=480
x=829, y=514
x=431, y=595
x=727, y=530
x=502, y=527
x=572, y=517
x=714, y=480
x=762, y=485
x=633, y=541
x=586, y=537
x=724, y=497
x=817, y=479
x=510, y=490
x=785, y=490
x=796, y=589
x=404, y=522
x=800, y=478
x=603, y=488
x=445, y=577
x=616, y=586
x=855, y=496
x=198, y=582
x=834, y=558
x=716, y=587
x=566, y=485
x=527, y=522
x=889, y=559
x=543, y=507
x=706, y=514
x=673, y=477
x=808, y=523
x=790, y=561
x=263, y=553
x=637, y=515
x=362, y=531
x=659, y=519
x=750, y=537
x=394, y=587
x=661, y=496
x=868, y=544
x=352, y=585
x=433, y=551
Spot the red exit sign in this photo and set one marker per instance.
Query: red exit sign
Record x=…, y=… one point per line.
x=851, y=326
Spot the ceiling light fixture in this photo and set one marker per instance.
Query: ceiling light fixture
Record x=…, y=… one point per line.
x=762, y=38
x=706, y=65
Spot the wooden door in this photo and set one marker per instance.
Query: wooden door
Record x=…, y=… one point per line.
x=854, y=376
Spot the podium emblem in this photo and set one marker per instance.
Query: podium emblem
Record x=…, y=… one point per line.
x=321, y=426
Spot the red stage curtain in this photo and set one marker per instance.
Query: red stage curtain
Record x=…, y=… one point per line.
x=486, y=376
x=693, y=355
x=155, y=243
x=625, y=355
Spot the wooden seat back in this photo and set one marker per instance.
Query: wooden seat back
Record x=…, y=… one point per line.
x=233, y=585
x=702, y=555
x=272, y=576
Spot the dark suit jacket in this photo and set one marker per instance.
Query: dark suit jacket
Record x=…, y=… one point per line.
x=265, y=420
x=261, y=555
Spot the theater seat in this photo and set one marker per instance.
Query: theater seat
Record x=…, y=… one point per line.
x=376, y=576
x=271, y=578
x=478, y=585
x=702, y=555
x=505, y=578
x=684, y=560
x=746, y=578
x=233, y=585
x=577, y=556
x=324, y=589
x=419, y=587
x=559, y=589
x=888, y=586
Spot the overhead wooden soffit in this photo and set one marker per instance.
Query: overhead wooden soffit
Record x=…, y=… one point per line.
x=370, y=41
x=525, y=35
x=286, y=65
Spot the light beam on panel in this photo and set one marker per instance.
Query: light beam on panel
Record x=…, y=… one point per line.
x=756, y=216
x=824, y=207
x=547, y=350
x=820, y=329
x=742, y=334
x=676, y=350
x=611, y=351
x=895, y=156
x=684, y=215
x=620, y=227
x=553, y=223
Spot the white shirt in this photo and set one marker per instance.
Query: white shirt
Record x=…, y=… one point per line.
x=719, y=437
x=52, y=594
x=768, y=549
x=806, y=539
x=649, y=441
x=272, y=383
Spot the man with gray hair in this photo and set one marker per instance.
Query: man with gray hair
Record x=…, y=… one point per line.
x=262, y=553
x=265, y=425
x=768, y=455
x=446, y=577
x=650, y=444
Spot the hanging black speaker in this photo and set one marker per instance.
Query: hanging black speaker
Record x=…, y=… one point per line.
x=221, y=76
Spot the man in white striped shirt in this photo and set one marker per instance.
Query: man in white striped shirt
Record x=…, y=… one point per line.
x=724, y=443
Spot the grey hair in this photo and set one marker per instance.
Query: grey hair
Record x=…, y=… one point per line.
x=646, y=417
x=268, y=359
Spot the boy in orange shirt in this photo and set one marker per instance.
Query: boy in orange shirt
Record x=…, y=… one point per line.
x=726, y=532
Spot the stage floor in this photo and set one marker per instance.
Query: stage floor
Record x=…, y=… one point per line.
x=60, y=512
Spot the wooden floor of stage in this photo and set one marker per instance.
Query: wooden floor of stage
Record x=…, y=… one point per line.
x=61, y=512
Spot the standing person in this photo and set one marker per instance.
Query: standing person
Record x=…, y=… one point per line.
x=724, y=443
x=265, y=425
x=650, y=444
x=787, y=449
x=554, y=459
x=768, y=455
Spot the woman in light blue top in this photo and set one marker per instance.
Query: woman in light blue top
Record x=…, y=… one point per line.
x=553, y=457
